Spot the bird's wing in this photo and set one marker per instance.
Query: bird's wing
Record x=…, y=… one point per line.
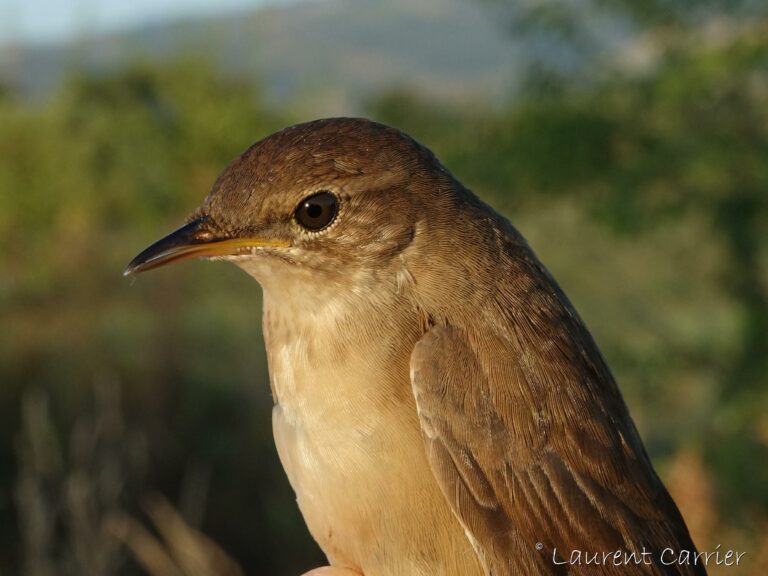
x=536, y=453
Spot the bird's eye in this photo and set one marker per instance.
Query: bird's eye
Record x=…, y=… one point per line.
x=317, y=211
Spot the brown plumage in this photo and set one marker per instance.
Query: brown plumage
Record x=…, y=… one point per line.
x=440, y=406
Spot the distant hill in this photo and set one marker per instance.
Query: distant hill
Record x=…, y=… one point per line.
x=339, y=51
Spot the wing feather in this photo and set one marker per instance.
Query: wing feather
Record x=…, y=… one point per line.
x=531, y=443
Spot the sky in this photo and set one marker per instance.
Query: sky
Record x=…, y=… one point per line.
x=50, y=21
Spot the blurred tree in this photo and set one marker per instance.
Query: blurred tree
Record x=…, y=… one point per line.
x=85, y=181
x=688, y=134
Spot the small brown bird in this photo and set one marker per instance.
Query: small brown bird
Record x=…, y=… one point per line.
x=440, y=407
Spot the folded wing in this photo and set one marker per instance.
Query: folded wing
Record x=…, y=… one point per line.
x=533, y=447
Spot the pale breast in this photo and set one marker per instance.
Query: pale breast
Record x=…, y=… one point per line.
x=352, y=450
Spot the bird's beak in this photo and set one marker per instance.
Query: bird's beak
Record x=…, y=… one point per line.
x=195, y=240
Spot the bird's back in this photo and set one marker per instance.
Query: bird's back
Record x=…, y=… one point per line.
x=525, y=427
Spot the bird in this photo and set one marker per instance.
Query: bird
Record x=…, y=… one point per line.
x=440, y=408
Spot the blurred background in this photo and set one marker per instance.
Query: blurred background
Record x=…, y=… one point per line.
x=627, y=140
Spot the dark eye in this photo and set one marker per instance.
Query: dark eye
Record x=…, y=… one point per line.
x=317, y=211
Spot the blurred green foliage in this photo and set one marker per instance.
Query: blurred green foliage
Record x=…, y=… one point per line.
x=107, y=165
x=646, y=193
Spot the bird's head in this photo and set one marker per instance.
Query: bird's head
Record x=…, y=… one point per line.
x=326, y=199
